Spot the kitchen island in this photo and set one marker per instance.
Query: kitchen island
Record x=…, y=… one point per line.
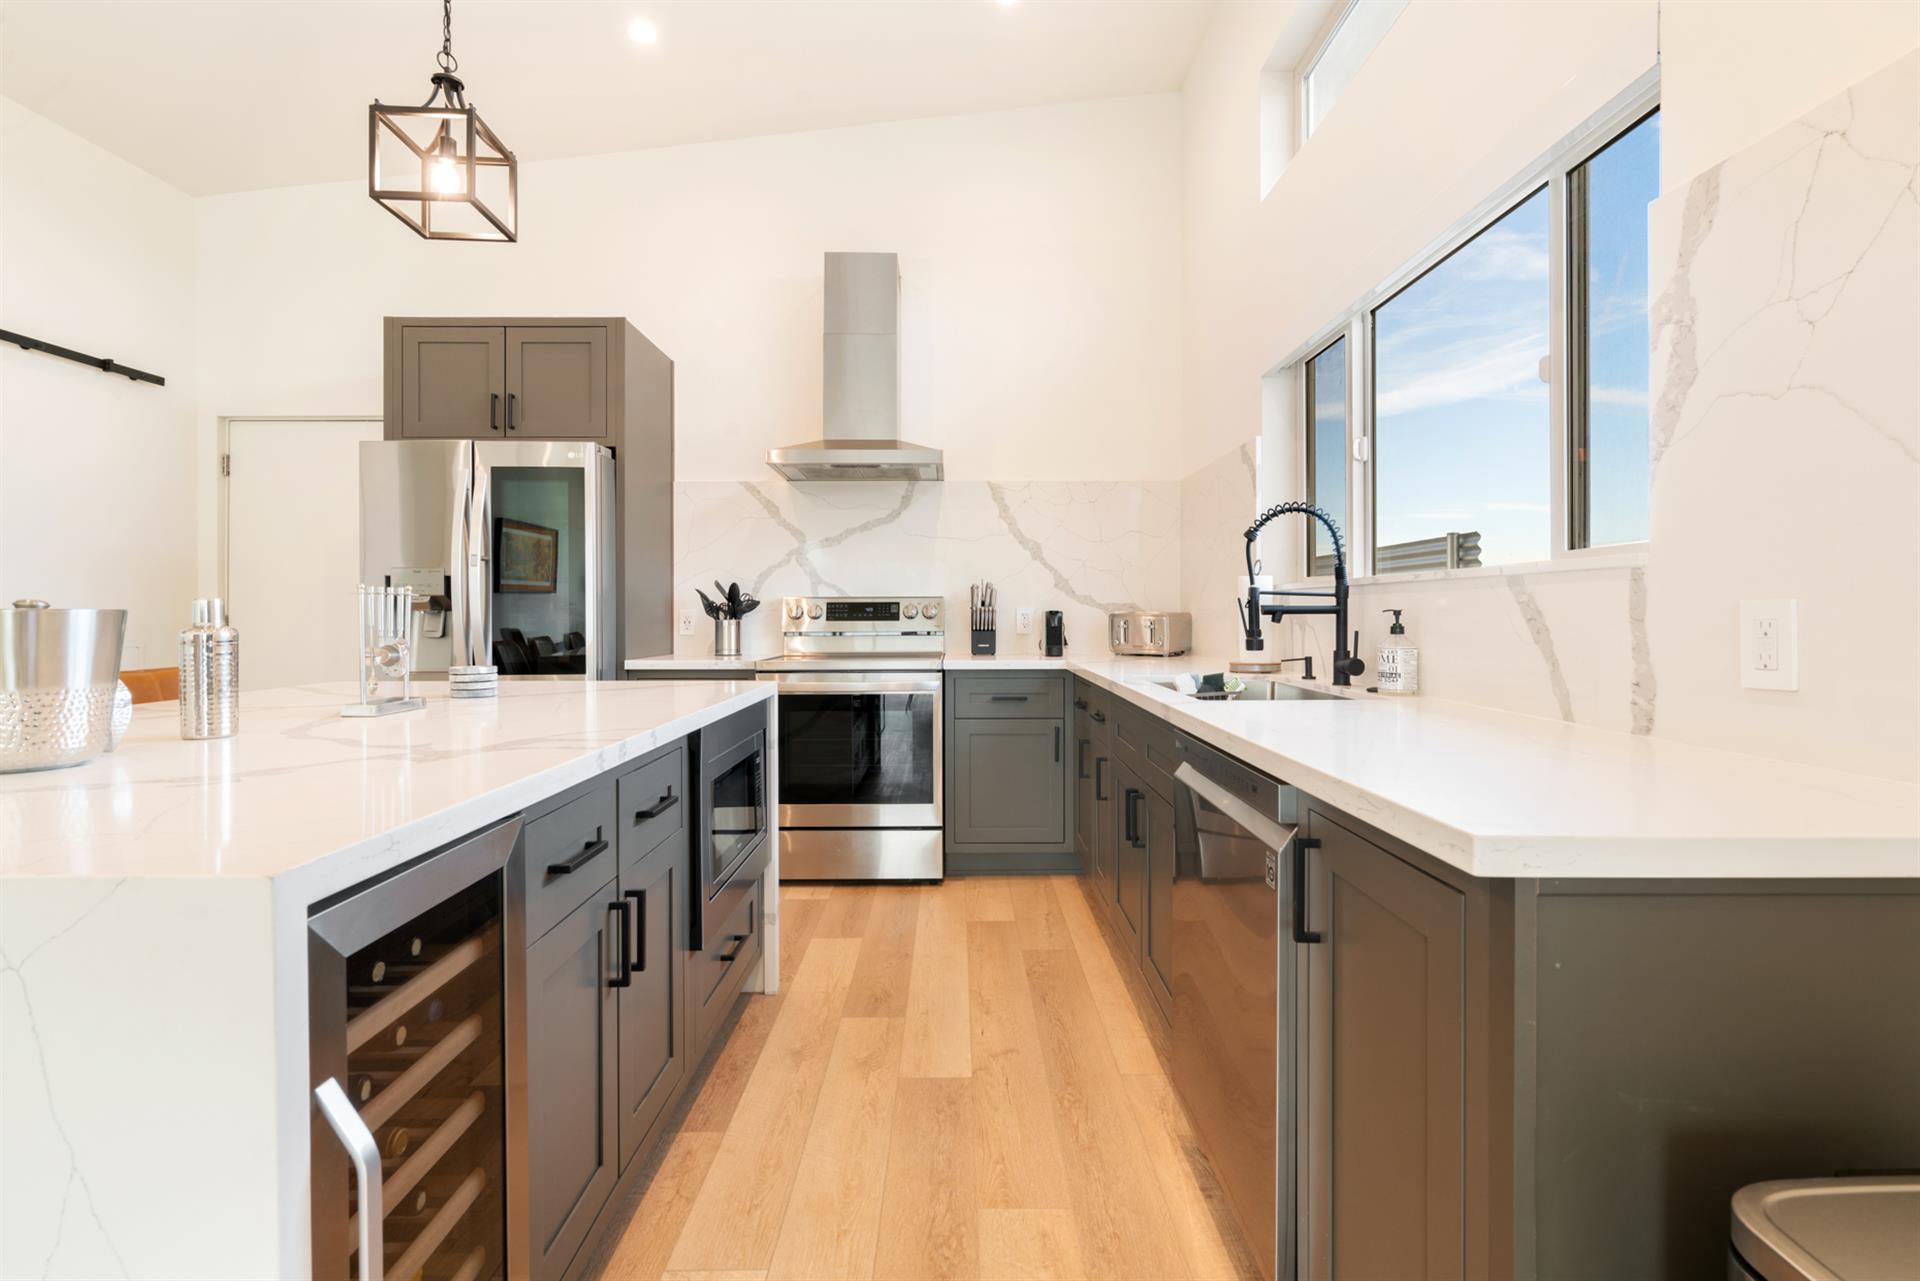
x=154, y=907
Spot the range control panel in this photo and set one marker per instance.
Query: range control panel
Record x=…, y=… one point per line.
x=864, y=615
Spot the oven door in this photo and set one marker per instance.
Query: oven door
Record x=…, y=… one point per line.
x=859, y=750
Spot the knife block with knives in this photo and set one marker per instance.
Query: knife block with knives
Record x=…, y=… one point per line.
x=981, y=618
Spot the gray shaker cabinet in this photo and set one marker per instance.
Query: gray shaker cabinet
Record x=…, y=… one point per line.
x=1130, y=799
x=1156, y=942
x=1384, y=1152
x=1010, y=782
x=653, y=1057
x=452, y=383
x=572, y=1118
x=556, y=380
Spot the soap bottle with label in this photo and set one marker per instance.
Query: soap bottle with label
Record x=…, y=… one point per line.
x=1399, y=669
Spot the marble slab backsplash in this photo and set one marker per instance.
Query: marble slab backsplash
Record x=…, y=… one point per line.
x=1082, y=548
x=1217, y=503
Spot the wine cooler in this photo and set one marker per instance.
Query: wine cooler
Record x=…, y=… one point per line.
x=406, y=988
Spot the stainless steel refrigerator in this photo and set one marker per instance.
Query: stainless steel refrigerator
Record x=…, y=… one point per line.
x=511, y=548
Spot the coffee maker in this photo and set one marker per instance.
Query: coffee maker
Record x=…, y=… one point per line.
x=1056, y=634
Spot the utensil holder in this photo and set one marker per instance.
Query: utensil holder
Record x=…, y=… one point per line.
x=726, y=638
x=984, y=642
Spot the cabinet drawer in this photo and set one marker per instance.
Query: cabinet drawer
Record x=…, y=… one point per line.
x=715, y=973
x=1098, y=708
x=1145, y=742
x=1005, y=697
x=652, y=804
x=567, y=839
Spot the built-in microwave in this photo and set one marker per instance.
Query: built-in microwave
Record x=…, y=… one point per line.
x=731, y=842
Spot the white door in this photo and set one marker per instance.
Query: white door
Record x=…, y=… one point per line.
x=293, y=547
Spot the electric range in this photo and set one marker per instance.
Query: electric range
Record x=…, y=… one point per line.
x=859, y=784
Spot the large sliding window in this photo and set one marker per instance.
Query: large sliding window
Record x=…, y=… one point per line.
x=1493, y=397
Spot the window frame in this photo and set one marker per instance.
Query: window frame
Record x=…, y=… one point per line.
x=1554, y=171
x=1307, y=434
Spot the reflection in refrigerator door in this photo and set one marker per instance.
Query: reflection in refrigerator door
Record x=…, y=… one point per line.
x=511, y=549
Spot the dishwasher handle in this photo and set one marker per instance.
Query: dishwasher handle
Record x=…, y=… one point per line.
x=1270, y=832
x=365, y=1155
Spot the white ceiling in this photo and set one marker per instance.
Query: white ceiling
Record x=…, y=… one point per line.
x=230, y=95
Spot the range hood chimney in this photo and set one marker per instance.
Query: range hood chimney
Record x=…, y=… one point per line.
x=861, y=381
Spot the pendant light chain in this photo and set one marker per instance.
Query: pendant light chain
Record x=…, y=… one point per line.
x=448, y=63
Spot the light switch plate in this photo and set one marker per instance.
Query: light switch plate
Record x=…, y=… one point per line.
x=1023, y=620
x=1770, y=644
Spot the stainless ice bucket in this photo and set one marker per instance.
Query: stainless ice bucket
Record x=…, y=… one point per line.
x=59, y=669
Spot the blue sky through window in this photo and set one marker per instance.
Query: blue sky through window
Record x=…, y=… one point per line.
x=1327, y=392
x=1461, y=417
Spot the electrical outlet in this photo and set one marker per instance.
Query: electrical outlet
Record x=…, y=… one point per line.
x=686, y=622
x=1769, y=644
x=1023, y=620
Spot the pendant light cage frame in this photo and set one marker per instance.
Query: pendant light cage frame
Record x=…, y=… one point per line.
x=443, y=130
x=409, y=195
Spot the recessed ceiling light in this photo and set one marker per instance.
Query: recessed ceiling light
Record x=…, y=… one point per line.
x=1008, y=4
x=642, y=31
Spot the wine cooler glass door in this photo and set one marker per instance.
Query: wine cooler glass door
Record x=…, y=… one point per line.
x=406, y=997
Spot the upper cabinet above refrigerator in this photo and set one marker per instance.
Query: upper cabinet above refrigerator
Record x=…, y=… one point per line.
x=592, y=379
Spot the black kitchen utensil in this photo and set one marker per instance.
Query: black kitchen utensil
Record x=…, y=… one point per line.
x=713, y=609
x=733, y=601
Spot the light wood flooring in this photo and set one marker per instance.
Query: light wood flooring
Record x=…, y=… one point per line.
x=955, y=1081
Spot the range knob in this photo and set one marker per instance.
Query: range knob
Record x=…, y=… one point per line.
x=816, y=610
x=929, y=610
x=910, y=611
x=795, y=609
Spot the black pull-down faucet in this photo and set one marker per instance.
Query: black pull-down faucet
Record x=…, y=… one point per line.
x=1346, y=665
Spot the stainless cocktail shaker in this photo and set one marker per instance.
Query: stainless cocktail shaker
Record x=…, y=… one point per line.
x=209, y=673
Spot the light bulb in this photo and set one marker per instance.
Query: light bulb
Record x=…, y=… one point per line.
x=641, y=31
x=445, y=173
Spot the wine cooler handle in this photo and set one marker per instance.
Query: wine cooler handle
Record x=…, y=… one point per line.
x=624, y=910
x=365, y=1154
x=639, y=964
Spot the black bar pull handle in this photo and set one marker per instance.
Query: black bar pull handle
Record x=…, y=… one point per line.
x=621, y=908
x=594, y=849
x=1132, y=798
x=1099, y=778
x=1058, y=735
x=510, y=400
x=638, y=964
x=1006, y=698
x=1301, y=934
x=1099, y=718
x=658, y=808
x=493, y=411
x=739, y=942
x=1079, y=704
x=1080, y=746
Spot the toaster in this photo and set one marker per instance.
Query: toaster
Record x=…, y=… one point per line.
x=1155, y=632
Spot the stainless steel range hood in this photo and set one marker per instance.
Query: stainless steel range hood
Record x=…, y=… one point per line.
x=861, y=381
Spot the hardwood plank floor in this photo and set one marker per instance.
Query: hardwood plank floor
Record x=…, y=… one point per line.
x=956, y=1083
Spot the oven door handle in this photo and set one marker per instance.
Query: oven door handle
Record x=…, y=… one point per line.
x=859, y=687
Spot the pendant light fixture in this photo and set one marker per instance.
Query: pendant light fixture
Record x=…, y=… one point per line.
x=437, y=167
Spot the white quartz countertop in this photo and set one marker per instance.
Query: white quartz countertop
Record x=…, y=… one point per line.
x=321, y=802
x=1498, y=794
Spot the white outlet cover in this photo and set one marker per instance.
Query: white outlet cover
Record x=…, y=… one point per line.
x=1770, y=644
x=1023, y=620
x=686, y=622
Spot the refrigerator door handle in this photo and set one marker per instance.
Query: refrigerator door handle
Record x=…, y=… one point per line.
x=480, y=566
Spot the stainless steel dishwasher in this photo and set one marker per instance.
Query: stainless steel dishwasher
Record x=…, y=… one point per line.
x=1236, y=988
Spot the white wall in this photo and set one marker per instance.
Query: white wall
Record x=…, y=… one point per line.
x=97, y=473
x=1454, y=102
x=1039, y=253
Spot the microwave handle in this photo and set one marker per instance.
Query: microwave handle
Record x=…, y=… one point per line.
x=365, y=1154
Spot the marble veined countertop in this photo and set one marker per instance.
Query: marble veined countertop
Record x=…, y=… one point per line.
x=304, y=794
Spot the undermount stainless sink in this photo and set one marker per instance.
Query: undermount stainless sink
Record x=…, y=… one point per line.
x=1232, y=686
